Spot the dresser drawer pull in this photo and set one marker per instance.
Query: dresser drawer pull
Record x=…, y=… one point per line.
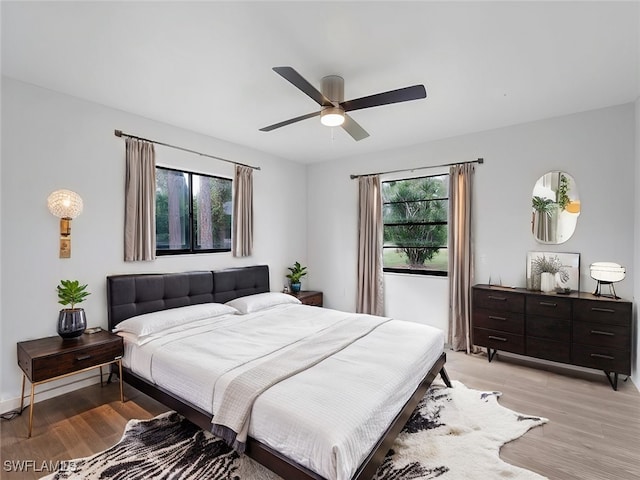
x=493, y=297
x=492, y=317
x=549, y=304
x=604, y=310
x=501, y=339
x=83, y=357
x=599, y=355
x=600, y=332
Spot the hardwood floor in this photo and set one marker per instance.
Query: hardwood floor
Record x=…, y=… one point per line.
x=593, y=432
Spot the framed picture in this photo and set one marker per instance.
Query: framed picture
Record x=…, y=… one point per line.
x=553, y=271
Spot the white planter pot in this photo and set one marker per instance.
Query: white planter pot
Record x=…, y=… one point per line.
x=547, y=282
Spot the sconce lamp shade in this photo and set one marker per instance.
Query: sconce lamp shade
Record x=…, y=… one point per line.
x=65, y=204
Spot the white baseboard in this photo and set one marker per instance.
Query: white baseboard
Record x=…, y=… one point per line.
x=50, y=390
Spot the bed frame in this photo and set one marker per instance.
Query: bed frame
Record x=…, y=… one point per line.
x=135, y=294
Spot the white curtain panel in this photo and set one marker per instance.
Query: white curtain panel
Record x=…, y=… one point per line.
x=460, y=255
x=140, y=202
x=370, y=227
x=243, y=212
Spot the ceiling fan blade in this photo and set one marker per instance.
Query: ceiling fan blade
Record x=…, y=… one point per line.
x=354, y=129
x=298, y=81
x=405, y=94
x=289, y=122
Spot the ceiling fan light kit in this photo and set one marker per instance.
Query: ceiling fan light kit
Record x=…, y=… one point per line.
x=334, y=107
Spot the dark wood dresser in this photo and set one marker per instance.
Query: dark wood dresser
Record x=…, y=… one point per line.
x=578, y=329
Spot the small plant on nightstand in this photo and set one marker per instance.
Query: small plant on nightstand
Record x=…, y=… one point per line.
x=297, y=272
x=72, y=322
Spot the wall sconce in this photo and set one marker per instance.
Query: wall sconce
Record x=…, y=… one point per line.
x=65, y=205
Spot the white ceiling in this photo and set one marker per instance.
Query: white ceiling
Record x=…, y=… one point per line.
x=206, y=66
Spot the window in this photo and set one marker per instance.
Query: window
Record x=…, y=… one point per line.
x=193, y=212
x=415, y=215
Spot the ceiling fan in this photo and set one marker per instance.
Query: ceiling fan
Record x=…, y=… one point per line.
x=334, y=108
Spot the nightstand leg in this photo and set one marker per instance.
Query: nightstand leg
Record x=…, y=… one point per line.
x=120, y=378
x=31, y=410
x=101, y=384
x=22, y=395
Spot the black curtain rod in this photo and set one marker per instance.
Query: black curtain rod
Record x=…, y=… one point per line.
x=479, y=161
x=120, y=133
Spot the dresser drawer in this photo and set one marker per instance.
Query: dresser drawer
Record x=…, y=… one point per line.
x=600, y=334
x=548, y=349
x=44, y=368
x=549, y=306
x=503, y=321
x=602, y=358
x=610, y=312
x=498, y=300
x=507, y=342
x=549, y=327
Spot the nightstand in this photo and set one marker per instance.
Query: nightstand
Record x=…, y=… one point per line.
x=309, y=297
x=51, y=358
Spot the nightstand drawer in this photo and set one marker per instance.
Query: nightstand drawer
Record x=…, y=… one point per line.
x=309, y=297
x=51, y=357
x=44, y=368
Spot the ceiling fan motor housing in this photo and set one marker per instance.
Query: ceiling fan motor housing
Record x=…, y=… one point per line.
x=333, y=88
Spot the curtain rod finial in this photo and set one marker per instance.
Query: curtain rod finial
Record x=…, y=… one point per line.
x=480, y=160
x=117, y=133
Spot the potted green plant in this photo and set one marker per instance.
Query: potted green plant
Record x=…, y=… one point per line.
x=72, y=321
x=297, y=272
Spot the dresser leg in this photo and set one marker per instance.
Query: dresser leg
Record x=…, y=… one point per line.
x=613, y=380
x=491, y=354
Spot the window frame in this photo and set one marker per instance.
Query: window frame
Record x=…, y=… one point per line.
x=408, y=270
x=192, y=250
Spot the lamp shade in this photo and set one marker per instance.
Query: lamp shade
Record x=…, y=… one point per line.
x=607, y=272
x=65, y=204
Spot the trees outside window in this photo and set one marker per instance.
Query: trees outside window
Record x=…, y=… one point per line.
x=415, y=215
x=193, y=212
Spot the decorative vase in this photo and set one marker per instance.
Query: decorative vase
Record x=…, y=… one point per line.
x=547, y=282
x=295, y=287
x=72, y=322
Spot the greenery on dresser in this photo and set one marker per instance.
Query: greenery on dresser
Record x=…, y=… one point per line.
x=552, y=265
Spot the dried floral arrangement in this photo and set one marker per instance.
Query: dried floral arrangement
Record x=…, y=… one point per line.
x=550, y=265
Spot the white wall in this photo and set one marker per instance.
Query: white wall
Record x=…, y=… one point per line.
x=595, y=147
x=52, y=141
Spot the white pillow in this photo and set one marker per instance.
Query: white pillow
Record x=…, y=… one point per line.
x=260, y=301
x=154, y=322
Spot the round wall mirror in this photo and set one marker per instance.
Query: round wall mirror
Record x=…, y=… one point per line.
x=555, y=208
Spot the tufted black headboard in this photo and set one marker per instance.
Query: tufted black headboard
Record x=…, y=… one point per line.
x=134, y=294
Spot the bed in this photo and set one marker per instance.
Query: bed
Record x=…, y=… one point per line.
x=322, y=439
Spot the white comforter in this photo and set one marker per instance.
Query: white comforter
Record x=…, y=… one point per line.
x=326, y=418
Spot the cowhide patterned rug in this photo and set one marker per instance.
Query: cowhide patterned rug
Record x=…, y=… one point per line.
x=455, y=433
